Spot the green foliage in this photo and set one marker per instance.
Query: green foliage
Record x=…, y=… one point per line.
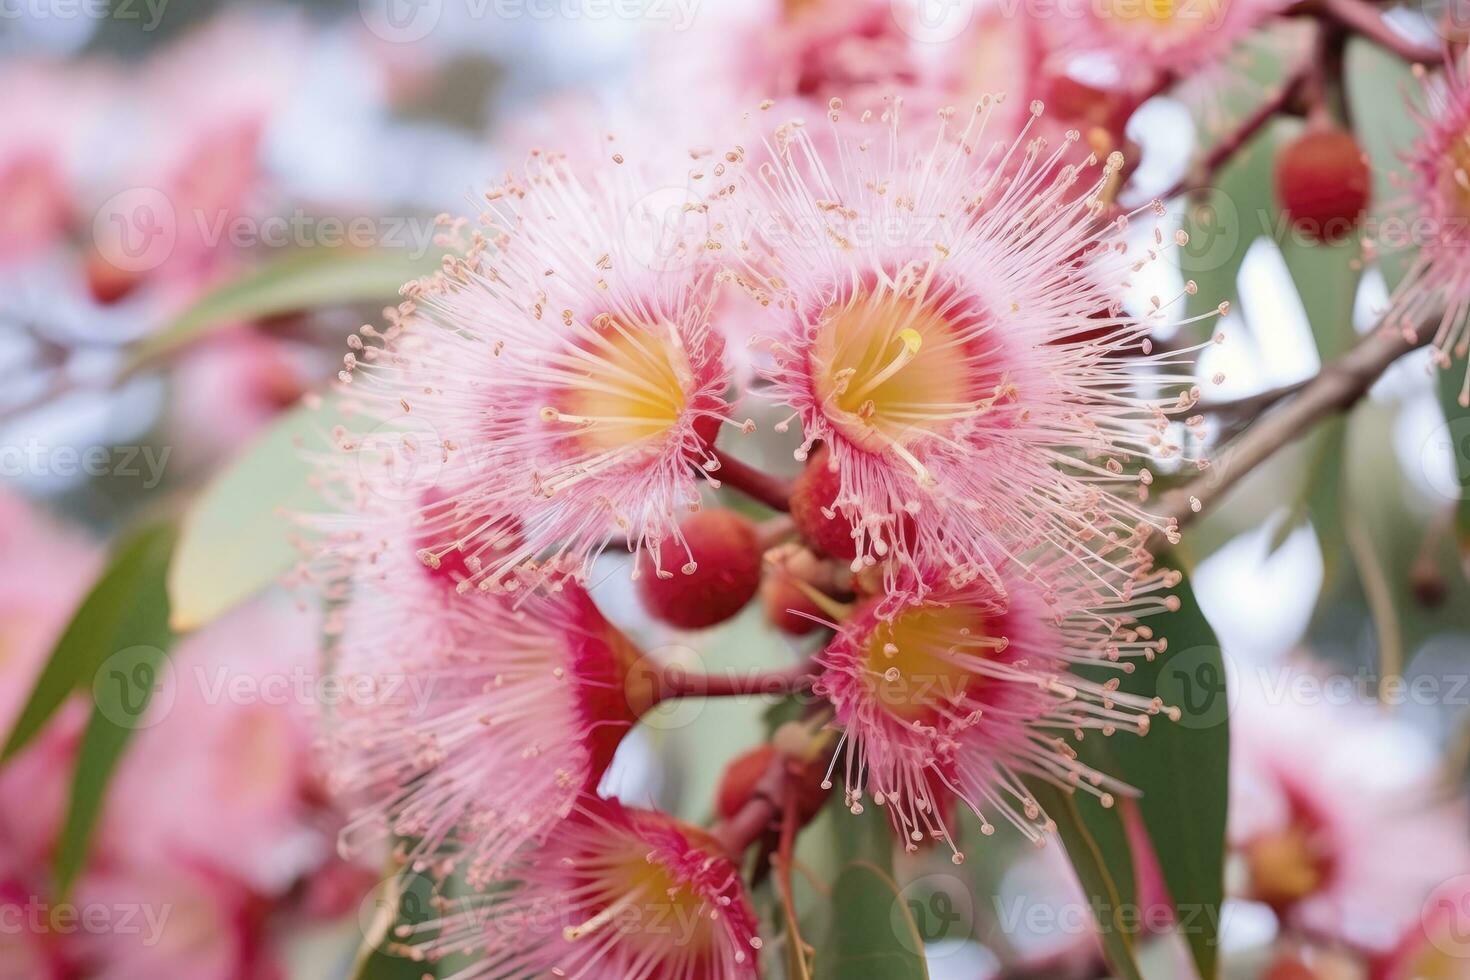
x=1097, y=846
x=307, y=279
x=867, y=929
x=113, y=646
x=1379, y=87
x=237, y=537
x=873, y=935
x=1224, y=220
x=120, y=611
x=1182, y=769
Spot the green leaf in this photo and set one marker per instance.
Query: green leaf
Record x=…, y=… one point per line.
x=306, y=279
x=1457, y=422
x=1182, y=769
x=401, y=898
x=123, y=639
x=1326, y=276
x=873, y=934
x=1224, y=220
x=108, y=613
x=1380, y=89
x=236, y=538
x=1386, y=524
x=1097, y=845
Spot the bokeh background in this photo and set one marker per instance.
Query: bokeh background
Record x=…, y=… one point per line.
x=199, y=201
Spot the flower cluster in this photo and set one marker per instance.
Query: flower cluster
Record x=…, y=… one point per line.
x=939, y=308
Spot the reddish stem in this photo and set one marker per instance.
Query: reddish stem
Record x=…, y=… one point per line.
x=770, y=490
x=675, y=683
x=1223, y=151
x=753, y=820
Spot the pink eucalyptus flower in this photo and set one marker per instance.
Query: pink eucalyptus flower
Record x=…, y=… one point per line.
x=480, y=721
x=229, y=387
x=1338, y=846
x=1154, y=40
x=1437, y=283
x=1437, y=946
x=51, y=116
x=222, y=775
x=942, y=315
x=615, y=894
x=172, y=920
x=960, y=694
x=560, y=380
x=222, y=85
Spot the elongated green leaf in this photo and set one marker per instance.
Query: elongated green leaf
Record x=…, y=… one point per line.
x=1182, y=769
x=1223, y=222
x=1326, y=276
x=1098, y=848
x=873, y=934
x=402, y=898
x=236, y=538
x=1380, y=88
x=124, y=647
x=306, y=279
x=106, y=614
x=1457, y=429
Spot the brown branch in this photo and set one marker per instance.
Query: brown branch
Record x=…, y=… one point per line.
x=1367, y=20
x=1200, y=175
x=1249, y=406
x=1336, y=388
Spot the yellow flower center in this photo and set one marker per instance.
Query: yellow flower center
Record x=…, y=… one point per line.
x=1169, y=17
x=1454, y=180
x=635, y=894
x=1286, y=866
x=923, y=659
x=890, y=368
x=1436, y=964
x=627, y=385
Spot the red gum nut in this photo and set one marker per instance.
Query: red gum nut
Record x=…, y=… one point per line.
x=1322, y=183
x=741, y=776
x=106, y=282
x=816, y=490
x=783, y=601
x=721, y=579
x=1289, y=968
